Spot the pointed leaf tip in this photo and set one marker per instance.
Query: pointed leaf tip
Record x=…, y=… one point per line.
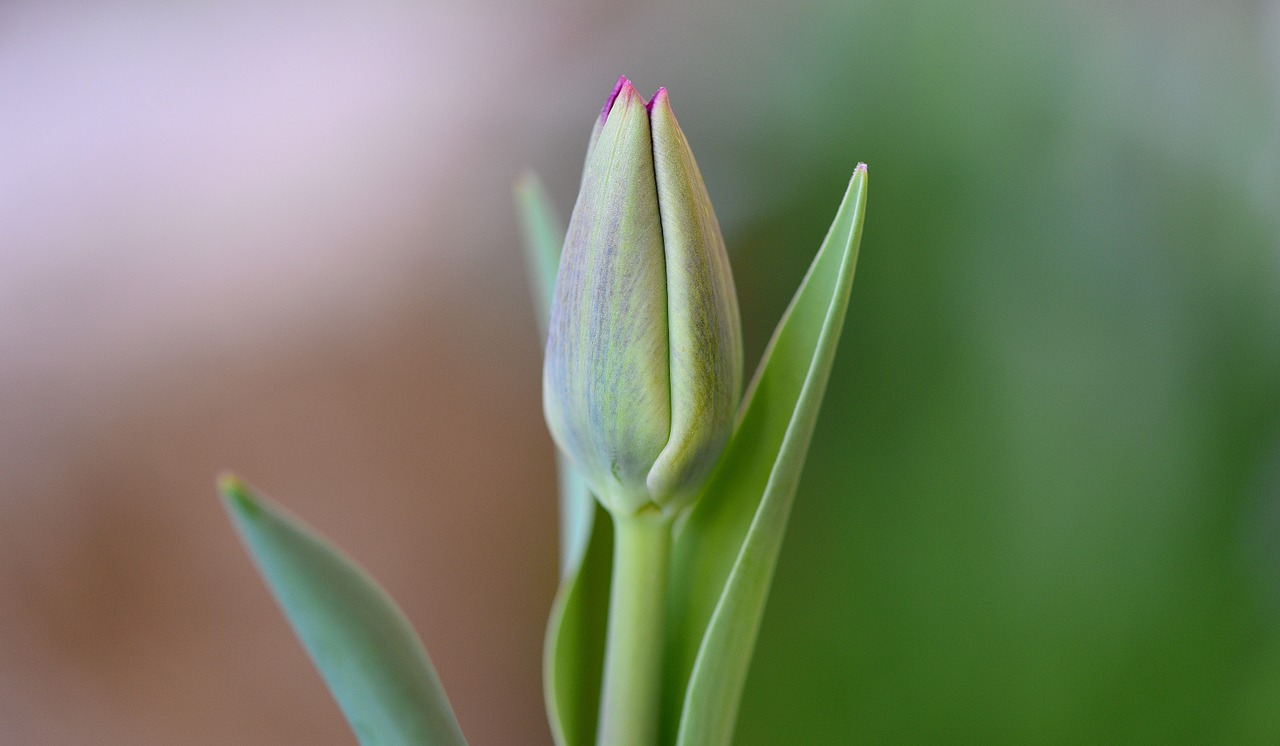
x=363, y=646
x=228, y=483
x=237, y=494
x=524, y=182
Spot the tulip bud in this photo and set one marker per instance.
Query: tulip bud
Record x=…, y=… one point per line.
x=643, y=370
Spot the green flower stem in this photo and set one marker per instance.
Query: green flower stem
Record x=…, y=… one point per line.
x=629, y=700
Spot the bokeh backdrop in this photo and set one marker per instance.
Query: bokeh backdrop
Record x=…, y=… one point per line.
x=1043, y=501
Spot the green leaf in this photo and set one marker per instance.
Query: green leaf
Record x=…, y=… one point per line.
x=573, y=656
x=543, y=234
x=726, y=550
x=573, y=653
x=365, y=649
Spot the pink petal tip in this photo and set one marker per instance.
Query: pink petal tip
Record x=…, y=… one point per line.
x=613, y=96
x=662, y=93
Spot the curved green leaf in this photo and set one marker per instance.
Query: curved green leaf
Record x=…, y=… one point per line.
x=573, y=656
x=365, y=649
x=726, y=550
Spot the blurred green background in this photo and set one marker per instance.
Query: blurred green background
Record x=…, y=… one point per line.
x=1043, y=501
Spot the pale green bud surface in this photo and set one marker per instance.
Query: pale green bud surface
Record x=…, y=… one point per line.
x=643, y=371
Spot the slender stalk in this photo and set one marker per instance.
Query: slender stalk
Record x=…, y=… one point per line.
x=630, y=696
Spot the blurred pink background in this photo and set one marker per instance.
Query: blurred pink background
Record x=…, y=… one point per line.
x=274, y=238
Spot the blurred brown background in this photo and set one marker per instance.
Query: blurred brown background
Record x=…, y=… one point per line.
x=272, y=237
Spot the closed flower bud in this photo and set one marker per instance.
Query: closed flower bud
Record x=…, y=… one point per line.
x=643, y=370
